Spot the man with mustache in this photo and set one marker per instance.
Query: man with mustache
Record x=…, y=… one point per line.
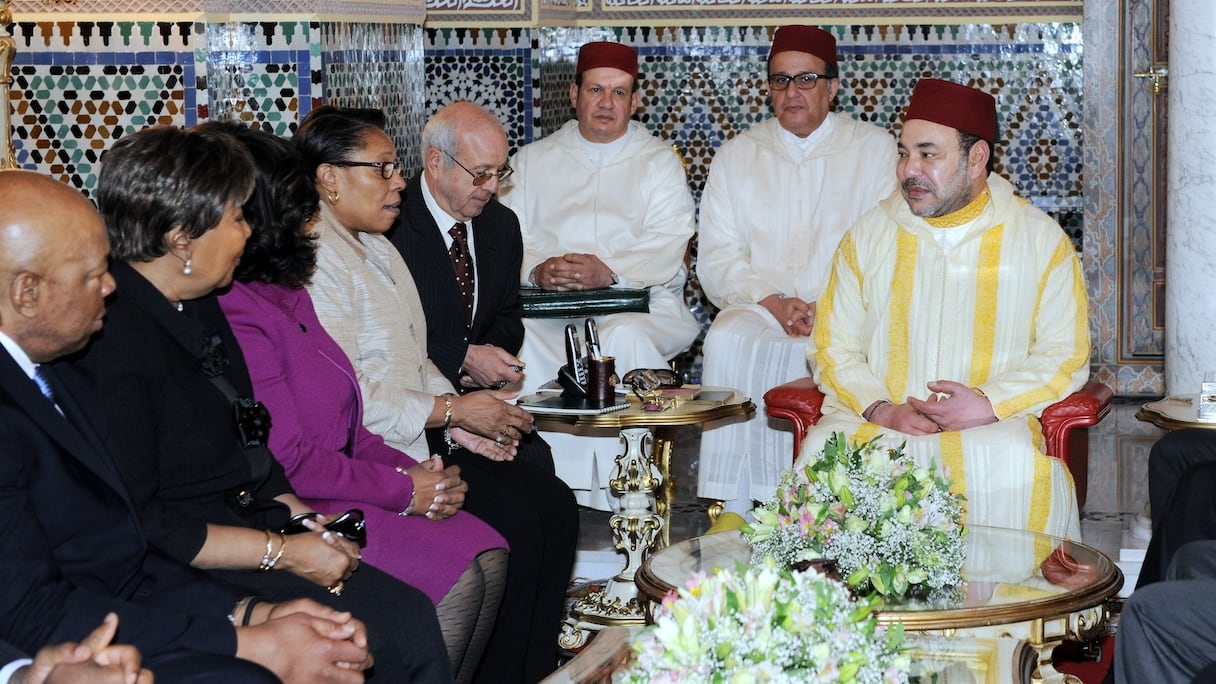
x=603, y=203
x=779, y=197
x=956, y=312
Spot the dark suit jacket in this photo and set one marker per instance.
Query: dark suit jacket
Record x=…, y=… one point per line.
x=498, y=317
x=72, y=548
x=171, y=429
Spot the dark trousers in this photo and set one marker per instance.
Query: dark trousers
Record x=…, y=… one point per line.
x=537, y=514
x=189, y=667
x=1182, y=497
x=1167, y=631
x=402, y=629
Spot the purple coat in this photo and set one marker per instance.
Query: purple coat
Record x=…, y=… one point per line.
x=332, y=461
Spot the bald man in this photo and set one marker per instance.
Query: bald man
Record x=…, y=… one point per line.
x=73, y=550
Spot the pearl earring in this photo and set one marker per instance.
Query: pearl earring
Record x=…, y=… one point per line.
x=186, y=267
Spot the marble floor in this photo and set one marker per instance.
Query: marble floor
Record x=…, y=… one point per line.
x=1117, y=494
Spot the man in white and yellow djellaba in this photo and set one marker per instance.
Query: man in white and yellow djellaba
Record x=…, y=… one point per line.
x=954, y=314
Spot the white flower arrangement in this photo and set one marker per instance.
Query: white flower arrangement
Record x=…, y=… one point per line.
x=889, y=525
x=765, y=624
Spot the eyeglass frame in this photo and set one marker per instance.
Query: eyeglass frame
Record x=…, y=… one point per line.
x=796, y=80
x=387, y=169
x=479, y=179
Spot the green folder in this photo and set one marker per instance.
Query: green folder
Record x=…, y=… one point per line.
x=538, y=303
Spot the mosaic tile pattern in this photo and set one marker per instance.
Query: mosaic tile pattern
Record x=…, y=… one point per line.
x=379, y=65
x=79, y=86
x=703, y=85
x=260, y=73
x=491, y=67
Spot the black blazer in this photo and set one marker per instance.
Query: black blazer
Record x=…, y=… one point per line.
x=71, y=546
x=9, y=653
x=500, y=252
x=171, y=429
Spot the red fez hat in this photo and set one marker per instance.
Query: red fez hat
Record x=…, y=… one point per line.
x=808, y=39
x=605, y=54
x=957, y=106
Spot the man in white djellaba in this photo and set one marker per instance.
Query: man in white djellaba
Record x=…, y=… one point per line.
x=779, y=197
x=603, y=203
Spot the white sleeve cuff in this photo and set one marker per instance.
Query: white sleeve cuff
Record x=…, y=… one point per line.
x=7, y=672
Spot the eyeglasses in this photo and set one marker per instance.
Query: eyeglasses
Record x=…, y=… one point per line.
x=387, y=169
x=480, y=179
x=804, y=81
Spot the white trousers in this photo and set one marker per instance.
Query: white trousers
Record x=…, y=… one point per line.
x=747, y=350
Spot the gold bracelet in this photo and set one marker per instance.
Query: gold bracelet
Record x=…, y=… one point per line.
x=447, y=422
x=447, y=412
x=282, y=547
x=266, y=557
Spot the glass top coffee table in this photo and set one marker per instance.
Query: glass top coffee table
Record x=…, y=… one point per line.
x=641, y=474
x=1016, y=584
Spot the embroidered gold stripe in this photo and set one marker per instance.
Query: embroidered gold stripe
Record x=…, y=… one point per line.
x=987, y=290
x=1040, y=493
x=866, y=432
x=951, y=445
x=965, y=215
x=846, y=256
x=1058, y=383
x=902, y=284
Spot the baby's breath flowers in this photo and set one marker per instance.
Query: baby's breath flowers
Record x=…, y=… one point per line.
x=890, y=525
x=767, y=624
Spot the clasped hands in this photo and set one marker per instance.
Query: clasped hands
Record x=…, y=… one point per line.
x=95, y=660
x=572, y=272
x=485, y=423
x=797, y=317
x=303, y=641
x=321, y=556
x=438, y=491
x=950, y=406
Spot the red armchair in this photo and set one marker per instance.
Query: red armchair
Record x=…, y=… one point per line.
x=801, y=402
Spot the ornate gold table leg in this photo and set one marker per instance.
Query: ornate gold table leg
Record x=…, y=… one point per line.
x=635, y=480
x=1046, y=634
x=662, y=449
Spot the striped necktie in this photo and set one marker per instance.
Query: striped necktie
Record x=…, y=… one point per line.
x=44, y=384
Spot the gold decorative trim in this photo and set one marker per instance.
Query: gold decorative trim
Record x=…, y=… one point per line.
x=8, y=48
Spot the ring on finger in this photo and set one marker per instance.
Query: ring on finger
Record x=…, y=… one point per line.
x=498, y=439
x=336, y=588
